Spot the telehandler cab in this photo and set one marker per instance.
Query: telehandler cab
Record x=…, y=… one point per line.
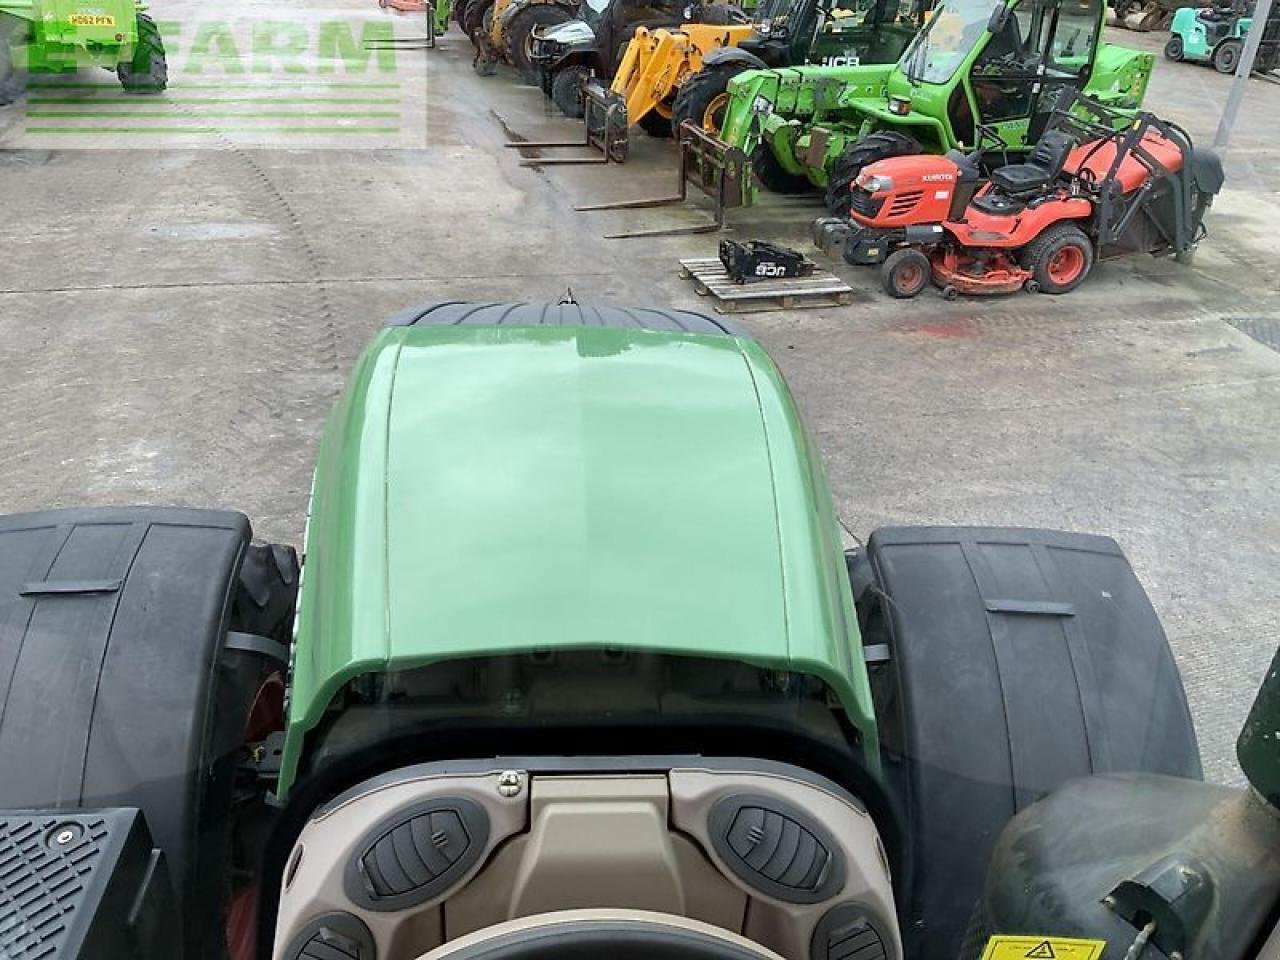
x=976, y=62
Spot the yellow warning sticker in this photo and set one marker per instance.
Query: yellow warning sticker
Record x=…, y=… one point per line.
x=1042, y=948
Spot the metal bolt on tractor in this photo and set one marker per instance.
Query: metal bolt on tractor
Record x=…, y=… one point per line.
x=60, y=36
x=976, y=63
x=527, y=711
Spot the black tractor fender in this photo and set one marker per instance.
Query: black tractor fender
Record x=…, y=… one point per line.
x=725, y=55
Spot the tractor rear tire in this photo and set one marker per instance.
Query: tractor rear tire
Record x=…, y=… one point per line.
x=520, y=27
x=875, y=146
x=704, y=96
x=905, y=273
x=656, y=125
x=566, y=90
x=774, y=176
x=11, y=84
x=1059, y=259
x=1227, y=56
x=1008, y=661
x=147, y=70
x=1174, y=50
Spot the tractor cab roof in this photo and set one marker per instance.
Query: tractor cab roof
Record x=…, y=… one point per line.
x=489, y=485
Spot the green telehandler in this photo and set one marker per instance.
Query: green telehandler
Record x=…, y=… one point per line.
x=60, y=36
x=976, y=64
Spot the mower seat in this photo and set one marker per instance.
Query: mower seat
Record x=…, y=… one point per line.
x=1042, y=167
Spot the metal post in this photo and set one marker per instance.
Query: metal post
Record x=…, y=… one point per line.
x=1262, y=11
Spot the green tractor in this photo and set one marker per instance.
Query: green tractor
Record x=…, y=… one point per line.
x=578, y=668
x=976, y=66
x=60, y=36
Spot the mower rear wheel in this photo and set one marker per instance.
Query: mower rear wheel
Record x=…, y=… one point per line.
x=905, y=273
x=1173, y=50
x=770, y=172
x=146, y=71
x=566, y=90
x=704, y=97
x=875, y=146
x=519, y=29
x=1227, y=56
x=1059, y=259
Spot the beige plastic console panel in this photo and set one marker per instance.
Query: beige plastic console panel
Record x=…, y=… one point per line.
x=548, y=922
x=557, y=843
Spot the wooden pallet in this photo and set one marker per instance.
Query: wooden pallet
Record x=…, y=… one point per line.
x=821, y=289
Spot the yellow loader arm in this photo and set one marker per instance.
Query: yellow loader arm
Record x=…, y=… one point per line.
x=658, y=61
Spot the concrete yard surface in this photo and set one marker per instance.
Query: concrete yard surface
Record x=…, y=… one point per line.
x=187, y=280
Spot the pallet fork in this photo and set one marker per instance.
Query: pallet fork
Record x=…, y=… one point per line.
x=724, y=175
x=605, y=130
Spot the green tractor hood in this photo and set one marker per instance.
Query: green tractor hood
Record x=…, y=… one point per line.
x=488, y=489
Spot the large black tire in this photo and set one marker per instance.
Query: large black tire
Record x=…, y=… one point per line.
x=518, y=30
x=1007, y=661
x=656, y=125
x=875, y=146
x=1227, y=56
x=12, y=83
x=135, y=623
x=146, y=71
x=473, y=12
x=703, y=97
x=566, y=90
x=1059, y=259
x=773, y=176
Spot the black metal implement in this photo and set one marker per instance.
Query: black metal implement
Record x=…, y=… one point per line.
x=717, y=169
x=426, y=42
x=605, y=130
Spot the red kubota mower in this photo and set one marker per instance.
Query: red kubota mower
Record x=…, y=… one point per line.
x=1087, y=191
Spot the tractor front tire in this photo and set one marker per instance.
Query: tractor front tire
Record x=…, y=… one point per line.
x=905, y=273
x=875, y=146
x=520, y=28
x=566, y=90
x=473, y=12
x=773, y=176
x=147, y=70
x=704, y=97
x=1173, y=50
x=1059, y=259
x=1227, y=56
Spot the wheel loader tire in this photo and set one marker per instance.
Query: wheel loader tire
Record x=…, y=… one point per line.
x=1227, y=56
x=774, y=176
x=656, y=125
x=155, y=632
x=1007, y=662
x=520, y=27
x=1173, y=50
x=875, y=146
x=566, y=90
x=146, y=71
x=704, y=96
x=473, y=12
x=1059, y=259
